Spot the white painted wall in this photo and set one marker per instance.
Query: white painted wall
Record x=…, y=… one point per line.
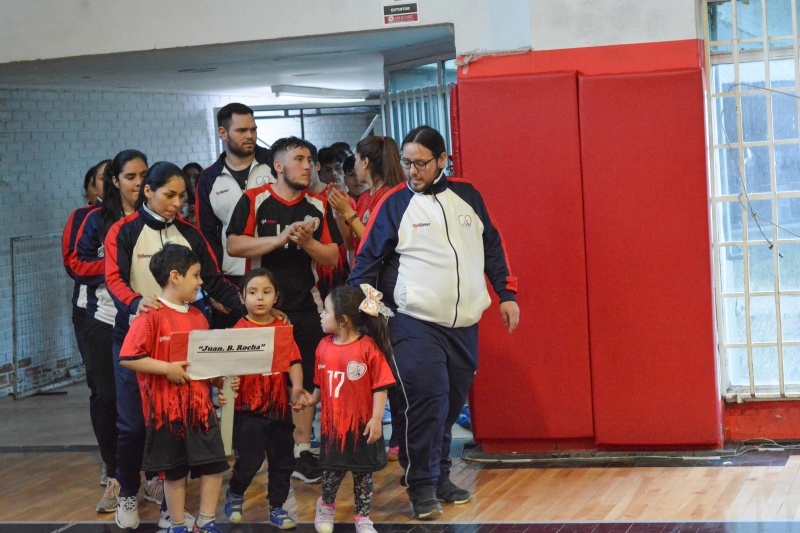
x=558, y=24
x=47, y=29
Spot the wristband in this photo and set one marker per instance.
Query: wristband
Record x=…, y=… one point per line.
x=351, y=219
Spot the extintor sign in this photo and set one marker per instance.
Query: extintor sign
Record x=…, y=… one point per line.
x=396, y=12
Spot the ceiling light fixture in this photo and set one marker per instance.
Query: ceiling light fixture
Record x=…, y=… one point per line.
x=318, y=94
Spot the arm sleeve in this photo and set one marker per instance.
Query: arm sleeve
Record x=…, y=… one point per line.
x=86, y=261
x=243, y=220
x=380, y=374
x=140, y=340
x=214, y=282
x=66, y=242
x=378, y=241
x=118, y=270
x=496, y=264
x=208, y=223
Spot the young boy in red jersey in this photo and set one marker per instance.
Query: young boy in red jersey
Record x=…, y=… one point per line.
x=183, y=432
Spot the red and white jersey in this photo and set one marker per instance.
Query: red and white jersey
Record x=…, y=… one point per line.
x=164, y=402
x=267, y=395
x=347, y=375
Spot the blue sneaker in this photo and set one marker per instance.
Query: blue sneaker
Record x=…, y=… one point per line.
x=211, y=527
x=280, y=519
x=233, y=506
x=178, y=529
x=464, y=419
x=387, y=415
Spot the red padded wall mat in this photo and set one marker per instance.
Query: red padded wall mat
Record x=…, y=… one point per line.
x=643, y=153
x=519, y=144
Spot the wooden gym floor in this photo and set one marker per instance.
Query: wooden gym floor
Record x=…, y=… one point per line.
x=49, y=472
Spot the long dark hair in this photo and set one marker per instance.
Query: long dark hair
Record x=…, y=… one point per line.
x=346, y=301
x=157, y=176
x=112, y=197
x=427, y=137
x=384, y=159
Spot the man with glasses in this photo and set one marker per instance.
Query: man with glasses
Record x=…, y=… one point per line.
x=427, y=249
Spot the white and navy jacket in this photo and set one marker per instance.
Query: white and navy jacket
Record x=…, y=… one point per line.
x=130, y=244
x=428, y=252
x=216, y=196
x=69, y=239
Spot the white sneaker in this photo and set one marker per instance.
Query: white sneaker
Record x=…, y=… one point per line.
x=110, y=500
x=323, y=520
x=154, y=490
x=127, y=516
x=364, y=525
x=165, y=520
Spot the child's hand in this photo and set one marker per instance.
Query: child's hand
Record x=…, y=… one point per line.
x=176, y=373
x=297, y=400
x=374, y=430
x=235, y=382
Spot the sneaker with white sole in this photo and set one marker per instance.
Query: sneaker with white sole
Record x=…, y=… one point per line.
x=110, y=499
x=423, y=500
x=306, y=468
x=281, y=519
x=154, y=490
x=323, y=520
x=449, y=492
x=211, y=527
x=364, y=525
x=233, y=506
x=165, y=519
x=127, y=515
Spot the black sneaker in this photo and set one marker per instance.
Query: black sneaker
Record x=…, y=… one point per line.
x=306, y=468
x=424, y=504
x=448, y=492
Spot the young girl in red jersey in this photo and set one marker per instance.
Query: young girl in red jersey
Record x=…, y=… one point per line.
x=263, y=417
x=351, y=378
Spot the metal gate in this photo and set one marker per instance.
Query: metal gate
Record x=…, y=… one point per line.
x=430, y=106
x=45, y=351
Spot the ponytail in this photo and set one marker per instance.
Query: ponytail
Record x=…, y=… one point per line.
x=384, y=159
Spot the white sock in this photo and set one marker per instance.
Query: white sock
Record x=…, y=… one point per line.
x=301, y=448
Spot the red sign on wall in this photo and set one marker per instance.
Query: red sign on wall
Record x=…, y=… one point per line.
x=400, y=13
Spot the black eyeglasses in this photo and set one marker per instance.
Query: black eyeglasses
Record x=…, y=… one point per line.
x=405, y=163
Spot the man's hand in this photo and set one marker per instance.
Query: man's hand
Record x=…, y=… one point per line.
x=301, y=234
x=510, y=313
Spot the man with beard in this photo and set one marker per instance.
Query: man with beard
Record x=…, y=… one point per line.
x=243, y=165
x=289, y=230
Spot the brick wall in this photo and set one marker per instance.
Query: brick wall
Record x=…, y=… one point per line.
x=49, y=138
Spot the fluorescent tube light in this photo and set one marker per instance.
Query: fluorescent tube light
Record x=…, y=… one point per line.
x=318, y=94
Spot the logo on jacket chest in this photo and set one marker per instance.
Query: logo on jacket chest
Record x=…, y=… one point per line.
x=465, y=221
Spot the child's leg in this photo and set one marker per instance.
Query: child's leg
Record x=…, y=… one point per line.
x=331, y=481
x=249, y=439
x=210, y=486
x=280, y=459
x=363, y=489
x=175, y=496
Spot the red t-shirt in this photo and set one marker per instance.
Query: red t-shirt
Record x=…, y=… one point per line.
x=267, y=395
x=365, y=208
x=347, y=375
x=164, y=401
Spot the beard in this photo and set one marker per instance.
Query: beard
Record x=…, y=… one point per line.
x=294, y=181
x=239, y=151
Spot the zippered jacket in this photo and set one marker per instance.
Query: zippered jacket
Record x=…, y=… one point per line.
x=216, y=196
x=428, y=253
x=130, y=244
